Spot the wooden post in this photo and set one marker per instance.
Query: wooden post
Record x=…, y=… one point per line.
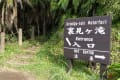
x=103, y=72
x=69, y=66
x=0, y=29
x=2, y=49
x=20, y=37
x=33, y=33
x=0, y=37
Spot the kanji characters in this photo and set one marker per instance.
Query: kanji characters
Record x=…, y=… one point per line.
x=76, y=50
x=91, y=58
x=88, y=31
x=70, y=30
x=79, y=31
x=90, y=45
x=75, y=55
x=76, y=44
x=70, y=44
x=100, y=30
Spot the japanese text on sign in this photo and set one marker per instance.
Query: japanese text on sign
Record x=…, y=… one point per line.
x=88, y=38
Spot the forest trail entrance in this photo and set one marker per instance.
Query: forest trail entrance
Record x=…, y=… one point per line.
x=21, y=59
x=25, y=57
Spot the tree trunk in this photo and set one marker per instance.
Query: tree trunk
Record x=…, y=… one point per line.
x=3, y=14
x=15, y=15
x=44, y=29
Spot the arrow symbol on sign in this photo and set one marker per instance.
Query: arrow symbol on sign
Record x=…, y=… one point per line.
x=67, y=39
x=100, y=57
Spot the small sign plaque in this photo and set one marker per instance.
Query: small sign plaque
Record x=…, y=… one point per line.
x=88, y=39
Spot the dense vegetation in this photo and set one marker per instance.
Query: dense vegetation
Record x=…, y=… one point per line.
x=47, y=18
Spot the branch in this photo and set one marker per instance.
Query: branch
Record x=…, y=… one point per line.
x=21, y=4
x=3, y=14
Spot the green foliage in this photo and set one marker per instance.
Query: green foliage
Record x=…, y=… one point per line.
x=59, y=10
x=52, y=54
x=118, y=79
x=114, y=71
x=34, y=2
x=54, y=5
x=115, y=44
x=118, y=36
x=76, y=4
x=10, y=38
x=11, y=49
x=116, y=68
x=102, y=2
x=50, y=60
x=87, y=4
x=63, y=4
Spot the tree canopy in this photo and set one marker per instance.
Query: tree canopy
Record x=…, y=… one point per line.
x=49, y=14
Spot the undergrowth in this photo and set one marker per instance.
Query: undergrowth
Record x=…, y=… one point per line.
x=50, y=64
x=52, y=54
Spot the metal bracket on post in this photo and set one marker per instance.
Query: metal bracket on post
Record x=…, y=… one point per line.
x=69, y=65
x=103, y=71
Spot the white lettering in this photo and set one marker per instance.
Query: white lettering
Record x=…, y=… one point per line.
x=75, y=23
x=84, y=39
x=88, y=52
x=97, y=22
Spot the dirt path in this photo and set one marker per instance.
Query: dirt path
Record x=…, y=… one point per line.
x=25, y=57
x=19, y=59
x=12, y=75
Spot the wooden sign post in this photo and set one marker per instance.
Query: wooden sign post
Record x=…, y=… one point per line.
x=88, y=39
x=2, y=48
x=20, y=37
